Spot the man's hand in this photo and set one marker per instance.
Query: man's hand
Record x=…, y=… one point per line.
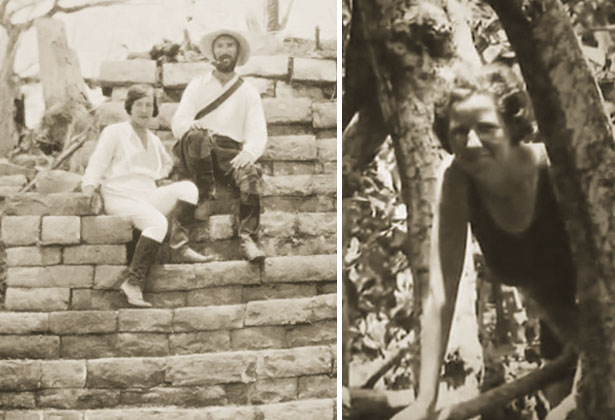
x=242, y=159
x=197, y=125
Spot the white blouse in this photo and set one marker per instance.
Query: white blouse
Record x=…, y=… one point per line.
x=120, y=153
x=240, y=117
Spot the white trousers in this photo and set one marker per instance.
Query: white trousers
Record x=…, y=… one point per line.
x=145, y=204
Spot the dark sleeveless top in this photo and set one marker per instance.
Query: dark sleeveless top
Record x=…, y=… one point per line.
x=539, y=254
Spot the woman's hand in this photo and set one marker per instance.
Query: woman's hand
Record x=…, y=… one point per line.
x=94, y=199
x=242, y=159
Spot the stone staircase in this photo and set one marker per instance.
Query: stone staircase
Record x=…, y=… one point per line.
x=225, y=340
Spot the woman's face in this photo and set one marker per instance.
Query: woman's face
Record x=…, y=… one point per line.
x=476, y=132
x=142, y=110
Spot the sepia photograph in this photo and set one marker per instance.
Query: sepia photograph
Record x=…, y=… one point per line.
x=168, y=202
x=477, y=209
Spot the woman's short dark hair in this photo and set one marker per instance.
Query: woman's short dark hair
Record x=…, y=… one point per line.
x=137, y=92
x=508, y=93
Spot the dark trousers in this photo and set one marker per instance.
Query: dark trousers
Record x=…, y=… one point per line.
x=205, y=158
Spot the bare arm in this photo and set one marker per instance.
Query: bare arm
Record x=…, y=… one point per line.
x=448, y=246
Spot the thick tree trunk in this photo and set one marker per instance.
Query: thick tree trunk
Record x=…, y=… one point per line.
x=8, y=130
x=405, y=46
x=60, y=73
x=578, y=135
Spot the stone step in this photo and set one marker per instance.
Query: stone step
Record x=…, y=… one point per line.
x=286, y=187
x=101, y=383
x=284, y=110
x=49, y=240
x=314, y=407
x=83, y=287
x=280, y=323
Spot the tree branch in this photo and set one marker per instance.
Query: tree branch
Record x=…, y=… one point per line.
x=57, y=8
x=382, y=405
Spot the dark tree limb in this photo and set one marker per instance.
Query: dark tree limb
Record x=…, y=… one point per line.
x=382, y=405
x=579, y=139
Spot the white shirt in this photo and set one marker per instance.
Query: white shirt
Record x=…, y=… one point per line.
x=120, y=153
x=240, y=117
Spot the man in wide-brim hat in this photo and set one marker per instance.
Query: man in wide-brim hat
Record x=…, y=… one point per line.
x=222, y=132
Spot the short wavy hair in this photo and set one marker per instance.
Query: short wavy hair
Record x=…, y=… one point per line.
x=508, y=92
x=136, y=92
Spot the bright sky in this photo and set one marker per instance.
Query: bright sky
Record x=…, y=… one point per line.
x=110, y=32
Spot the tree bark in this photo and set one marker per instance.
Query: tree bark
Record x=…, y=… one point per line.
x=579, y=139
x=60, y=73
x=8, y=129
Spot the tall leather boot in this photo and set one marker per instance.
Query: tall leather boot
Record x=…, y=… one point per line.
x=249, y=223
x=133, y=277
x=181, y=217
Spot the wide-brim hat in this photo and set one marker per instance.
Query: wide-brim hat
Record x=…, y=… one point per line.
x=207, y=41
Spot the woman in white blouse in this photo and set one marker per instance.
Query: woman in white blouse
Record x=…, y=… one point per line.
x=126, y=164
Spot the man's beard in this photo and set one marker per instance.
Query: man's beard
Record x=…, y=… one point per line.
x=225, y=67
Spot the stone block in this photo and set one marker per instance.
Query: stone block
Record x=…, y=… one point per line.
x=212, y=369
x=327, y=150
x=63, y=374
x=56, y=204
x=279, y=224
x=314, y=70
x=291, y=311
x=125, y=372
x=9, y=168
x=106, y=276
x=106, y=230
x=127, y=72
x=19, y=375
x=299, y=185
x=20, y=230
x=89, y=346
x=225, y=273
x=142, y=344
x=178, y=75
x=229, y=295
x=298, y=204
x=221, y=226
x=291, y=148
x=171, y=277
x=82, y=322
x=327, y=287
x=63, y=415
x=17, y=400
x=278, y=291
x=40, y=300
x=325, y=114
x=288, y=110
x=17, y=180
x=316, y=224
x=167, y=299
x=145, y=320
x=94, y=254
x=51, y=276
x=29, y=415
x=76, y=398
x=267, y=391
x=183, y=397
x=298, y=90
x=29, y=347
x=324, y=332
x=293, y=168
x=9, y=191
x=167, y=111
x=257, y=338
x=300, y=269
x=265, y=87
x=109, y=113
x=299, y=245
x=23, y=323
x=208, y=318
x=200, y=342
x=61, y=230
x=300, y=361
x=33, y=255
x=271, y=66
x=210, y=413
x=298, y=410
